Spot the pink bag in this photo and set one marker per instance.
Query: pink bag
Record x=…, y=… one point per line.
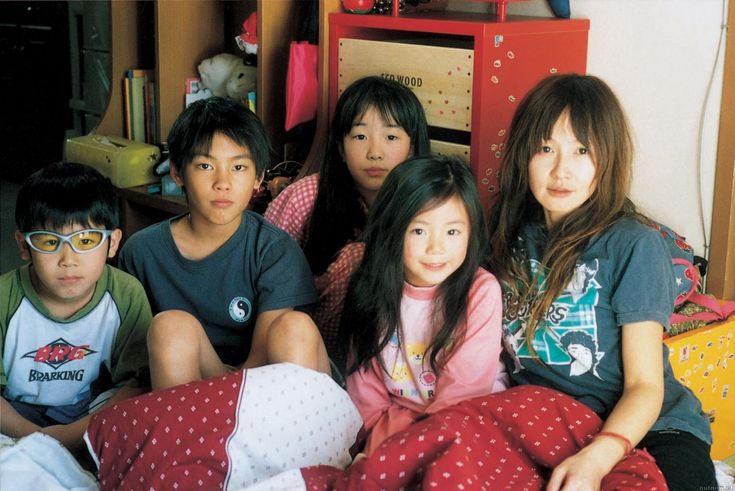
x=301, y=84
x=717, y=311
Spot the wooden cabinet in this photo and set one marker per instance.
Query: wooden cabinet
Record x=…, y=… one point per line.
x=507, y=59
x=184, y=33
x=90, y=63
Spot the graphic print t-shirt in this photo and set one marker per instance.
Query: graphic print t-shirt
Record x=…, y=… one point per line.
x=54, y=362
x=624, y=276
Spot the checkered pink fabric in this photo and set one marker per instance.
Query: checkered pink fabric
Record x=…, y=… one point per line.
x=292, y=208
x=332, y=288
x=290, y=211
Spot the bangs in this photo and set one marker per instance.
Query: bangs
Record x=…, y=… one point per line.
x=384, y=106
x=54, y=212
x=202, y=143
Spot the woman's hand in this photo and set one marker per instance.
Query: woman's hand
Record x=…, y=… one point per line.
x=632, y=417
x=585, y=470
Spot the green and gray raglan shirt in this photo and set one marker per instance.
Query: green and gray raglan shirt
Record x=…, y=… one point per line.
x=49, y=361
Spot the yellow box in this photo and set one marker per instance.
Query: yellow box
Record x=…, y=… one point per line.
x=441, y=77
x=704, y=361
x=125, y=162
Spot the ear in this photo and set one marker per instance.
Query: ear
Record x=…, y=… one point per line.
x=258, y=181
x=176, y=175
x=115, y=238
x=23, y=250
x=341, y=150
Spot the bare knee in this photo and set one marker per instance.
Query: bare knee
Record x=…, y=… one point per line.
x=172, y=327
x=294, y=337
x=294, y=328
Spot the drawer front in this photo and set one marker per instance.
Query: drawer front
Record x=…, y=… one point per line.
x=449, y=148
x=441, y=77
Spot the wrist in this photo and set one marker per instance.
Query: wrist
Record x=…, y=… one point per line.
x=622, y=440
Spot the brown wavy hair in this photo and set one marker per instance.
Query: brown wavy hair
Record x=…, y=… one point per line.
x=599, y=123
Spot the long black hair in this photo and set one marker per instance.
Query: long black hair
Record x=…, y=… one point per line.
x=372, y=311
x=600, y=124
x=338, y=215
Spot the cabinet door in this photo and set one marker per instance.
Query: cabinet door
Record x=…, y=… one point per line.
x=96, y=26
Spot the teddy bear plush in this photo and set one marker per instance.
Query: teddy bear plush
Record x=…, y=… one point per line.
x=226, y=75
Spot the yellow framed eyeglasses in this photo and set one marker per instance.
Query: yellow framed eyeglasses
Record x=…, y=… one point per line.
x=82, y=241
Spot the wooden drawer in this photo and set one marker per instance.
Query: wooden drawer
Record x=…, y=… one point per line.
x=441, y=77
x=449, y=148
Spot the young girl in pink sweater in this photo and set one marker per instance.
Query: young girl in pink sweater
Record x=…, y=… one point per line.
x=422, y=319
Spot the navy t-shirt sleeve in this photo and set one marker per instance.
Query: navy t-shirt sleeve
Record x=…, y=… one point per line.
x=285, y=279
x=645, y=288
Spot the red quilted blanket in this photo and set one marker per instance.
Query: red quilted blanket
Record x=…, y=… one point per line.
x=508, y=440
x=285, y=427
x=224, y=433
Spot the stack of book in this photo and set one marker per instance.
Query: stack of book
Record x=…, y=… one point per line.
x=141, y=121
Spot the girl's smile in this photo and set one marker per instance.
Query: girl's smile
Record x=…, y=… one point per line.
x=559, y=192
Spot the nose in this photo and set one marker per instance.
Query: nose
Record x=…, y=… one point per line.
x=561, y=166
x=222, y=181
x=375, y=152
x=435, y=244
x=67, y=256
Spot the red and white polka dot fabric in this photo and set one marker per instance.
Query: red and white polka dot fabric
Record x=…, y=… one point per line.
x=224, y=433
x=507, y=440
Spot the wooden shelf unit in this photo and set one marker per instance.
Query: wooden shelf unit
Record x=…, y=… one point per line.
x=185, y=33
x=139, y=208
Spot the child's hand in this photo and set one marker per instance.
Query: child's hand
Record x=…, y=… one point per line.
x=584, y=470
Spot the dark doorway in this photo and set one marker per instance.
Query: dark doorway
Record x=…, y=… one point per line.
x=35, y=86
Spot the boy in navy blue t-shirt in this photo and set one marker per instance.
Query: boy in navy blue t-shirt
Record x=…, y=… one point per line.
x=222, y=280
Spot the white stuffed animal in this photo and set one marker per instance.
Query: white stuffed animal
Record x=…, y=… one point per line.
x=227, y=76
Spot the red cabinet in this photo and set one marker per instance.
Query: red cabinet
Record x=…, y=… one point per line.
x=505, y=60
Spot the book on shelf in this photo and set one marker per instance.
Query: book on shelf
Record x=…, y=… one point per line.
x=140, y=106
x=251, y=101
x=127, y=102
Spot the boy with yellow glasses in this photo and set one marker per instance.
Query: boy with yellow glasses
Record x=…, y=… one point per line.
x=72, y=328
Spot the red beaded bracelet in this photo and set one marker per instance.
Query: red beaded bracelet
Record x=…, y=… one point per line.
x=626, y=443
